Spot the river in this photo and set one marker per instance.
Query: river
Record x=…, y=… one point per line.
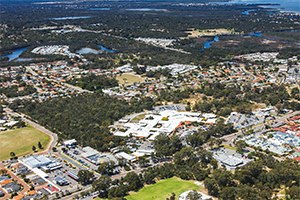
x=15, y=54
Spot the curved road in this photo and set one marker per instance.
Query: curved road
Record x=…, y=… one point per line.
x=37, y=126
x=248, y=73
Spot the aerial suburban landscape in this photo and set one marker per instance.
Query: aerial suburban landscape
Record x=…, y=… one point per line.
x=150, y=100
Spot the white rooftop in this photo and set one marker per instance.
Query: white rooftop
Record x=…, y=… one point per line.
x=163, y=122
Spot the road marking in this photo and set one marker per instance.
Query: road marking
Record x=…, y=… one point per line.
x=5, y=144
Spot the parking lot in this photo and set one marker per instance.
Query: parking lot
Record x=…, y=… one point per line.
x=244, y=121
x=75, y=153
x=62, y=173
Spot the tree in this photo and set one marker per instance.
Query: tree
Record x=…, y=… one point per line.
x=106, y=168
x=33, y=148
x=247, y=193
x=294, y=192
x=219, y=142
x=149, y=177
x=40, y=145
x=214, y=163
x=173, y=196
x=12, y=154
x=195, y=139
x=211, y=142
x=133, y=180
x=1, y=111
x=54, y=149
x=102, y=184
x=193, y=195
x=85, y=176
x=228, y=193
x=142, y=161
x=3, y=171
x=241, y=144
x=212, y=186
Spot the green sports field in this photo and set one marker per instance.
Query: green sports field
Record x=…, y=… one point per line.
x=20, y=141
x=163, y=189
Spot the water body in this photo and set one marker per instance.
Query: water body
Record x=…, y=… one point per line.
x=207, y=44
x=105, y=49
x=99, y=9
x=247, y=12
x=285, y=5
x=87, y=51
x=64, y=18
x=145, y=9
x=15, y=54
x=23, y=59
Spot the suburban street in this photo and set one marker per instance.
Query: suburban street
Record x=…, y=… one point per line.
x=65, y=84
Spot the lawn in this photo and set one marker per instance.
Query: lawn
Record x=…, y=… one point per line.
x=208, y=32
x=129, y=78
x=163, y=189
x=20, y=141
x=226, y=146
x=138, y=118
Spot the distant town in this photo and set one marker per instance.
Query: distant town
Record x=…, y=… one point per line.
x=149, y=101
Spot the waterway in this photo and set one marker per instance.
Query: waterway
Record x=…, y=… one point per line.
x=64, y=18
x=207, y=44
x=284, y=5
x=15, y=54
x=146, y=9
x=99, y=9
x=247, y=12
x=105, y=49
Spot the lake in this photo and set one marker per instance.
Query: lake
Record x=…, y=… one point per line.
x=64, y=18
x=207, y=45
x=99, y=9
x=285, y=5
x=145, y=9
x=94, y=51
x=88, y=50
x=15, y=54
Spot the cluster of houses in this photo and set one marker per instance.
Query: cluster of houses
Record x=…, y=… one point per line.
x=281, y=139
x=266, y=57
x=54, y=49
x=156, y=41
x=45, y=88
x=59, y=72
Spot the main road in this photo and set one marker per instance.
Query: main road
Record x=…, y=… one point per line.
x=37, y=126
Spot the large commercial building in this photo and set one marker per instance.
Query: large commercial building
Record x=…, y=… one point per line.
x=161, y=122
x=41, y=162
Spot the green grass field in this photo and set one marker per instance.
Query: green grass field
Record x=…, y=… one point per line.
x=20, y=141
x=163, y=189
x=138, y=118
x=226, y=146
